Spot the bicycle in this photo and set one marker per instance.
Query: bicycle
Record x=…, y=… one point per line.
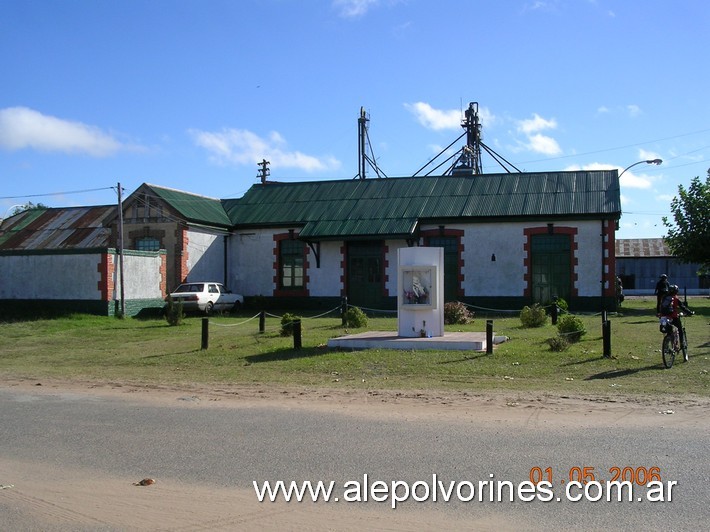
x=674, y=342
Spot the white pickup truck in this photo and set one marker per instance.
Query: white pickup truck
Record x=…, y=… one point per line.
x=206, y=297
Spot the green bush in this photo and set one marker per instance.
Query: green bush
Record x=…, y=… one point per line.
x=174, y=313
x=571, y=327
x=456, y=312
x=561, y=304
x=287, y=321
x=354, y=317
x=534, y=316
x=558, y=343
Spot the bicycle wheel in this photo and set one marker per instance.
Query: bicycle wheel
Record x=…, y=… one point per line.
x=684, y=344
x=668, y=351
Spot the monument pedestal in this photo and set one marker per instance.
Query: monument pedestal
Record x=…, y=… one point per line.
x=420, y=292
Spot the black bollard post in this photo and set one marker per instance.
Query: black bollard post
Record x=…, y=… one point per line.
x=262, y=321
x=555, y=312
x=603, y=317
x=606, y=337
x=489, y=337
x=205, y=333
x=297, y=334
x=344, y=310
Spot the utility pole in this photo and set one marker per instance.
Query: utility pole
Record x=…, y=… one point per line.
x=120, y=251
x=263, y=173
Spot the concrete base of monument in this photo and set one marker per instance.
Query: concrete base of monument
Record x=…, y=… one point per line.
x=453, y=341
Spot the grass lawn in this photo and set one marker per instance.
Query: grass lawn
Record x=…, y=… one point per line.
x=150, y=351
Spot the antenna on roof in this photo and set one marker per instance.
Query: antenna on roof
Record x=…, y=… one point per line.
x=362, y=145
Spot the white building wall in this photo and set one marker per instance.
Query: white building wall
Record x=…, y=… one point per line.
x=205, y=256
x=73, y=276
x=506, y=275
x=251, y=262
x=589, y=267
x=142, y=277
x=326, y=280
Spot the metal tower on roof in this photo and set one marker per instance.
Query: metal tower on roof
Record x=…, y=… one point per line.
x=467, y=160
x=362, y=148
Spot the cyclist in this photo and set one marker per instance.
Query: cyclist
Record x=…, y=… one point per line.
x=662, y=289
x=671, y=308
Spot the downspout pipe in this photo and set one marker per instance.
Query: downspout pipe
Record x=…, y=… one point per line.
x=224, y=248
x=603, y=281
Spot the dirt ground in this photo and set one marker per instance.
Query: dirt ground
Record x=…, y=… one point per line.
x=96, y=500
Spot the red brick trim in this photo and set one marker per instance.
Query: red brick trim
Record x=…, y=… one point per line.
x=609, y=259
x=385, y=265
x=278, y=292
x=182, y=240
x=163, y=273
x=107, y=269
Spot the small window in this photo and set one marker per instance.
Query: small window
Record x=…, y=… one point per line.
x=147, y=243
x=292, y=265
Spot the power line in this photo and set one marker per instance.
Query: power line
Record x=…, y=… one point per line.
x=620, y=148
x=57, y=193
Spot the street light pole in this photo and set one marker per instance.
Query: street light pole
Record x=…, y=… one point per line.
x=649, y=161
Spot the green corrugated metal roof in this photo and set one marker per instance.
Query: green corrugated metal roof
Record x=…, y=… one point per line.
x=394, y=206
x=194, y=208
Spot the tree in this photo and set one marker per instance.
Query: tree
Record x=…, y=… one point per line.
x=689, y=234
x=29, y=206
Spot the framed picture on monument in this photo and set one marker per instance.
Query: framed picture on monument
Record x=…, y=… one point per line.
x=417, y=287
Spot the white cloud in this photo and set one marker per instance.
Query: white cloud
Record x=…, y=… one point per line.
x=543, y=144
x=646, y=155
x=631, y=180
x=633, y=110
x=439, y=119
x=242, y=147
x=535, y=124
x=628, y=179
x=21, y=127
x=536, y=141
x=353, y=8
x=435, y=119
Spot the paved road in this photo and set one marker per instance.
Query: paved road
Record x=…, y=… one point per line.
x=186, y=441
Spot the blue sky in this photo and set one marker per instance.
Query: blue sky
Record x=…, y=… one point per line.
x=192, y=94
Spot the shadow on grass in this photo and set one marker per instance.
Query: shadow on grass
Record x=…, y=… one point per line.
x=626, y=312
x=617, y=373
x=286, y=354
x=586, y=361
x=163, y=355
x=464, y=359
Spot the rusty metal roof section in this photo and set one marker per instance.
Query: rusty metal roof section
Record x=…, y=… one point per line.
x=395, y=207
x=64, y=228
x=641, y=247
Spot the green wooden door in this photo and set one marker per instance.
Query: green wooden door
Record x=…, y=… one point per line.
x=451, y=264
x=365, y=274
x=551, y=268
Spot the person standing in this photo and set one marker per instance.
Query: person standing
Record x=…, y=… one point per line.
x=619, y=291
x=662, y=289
